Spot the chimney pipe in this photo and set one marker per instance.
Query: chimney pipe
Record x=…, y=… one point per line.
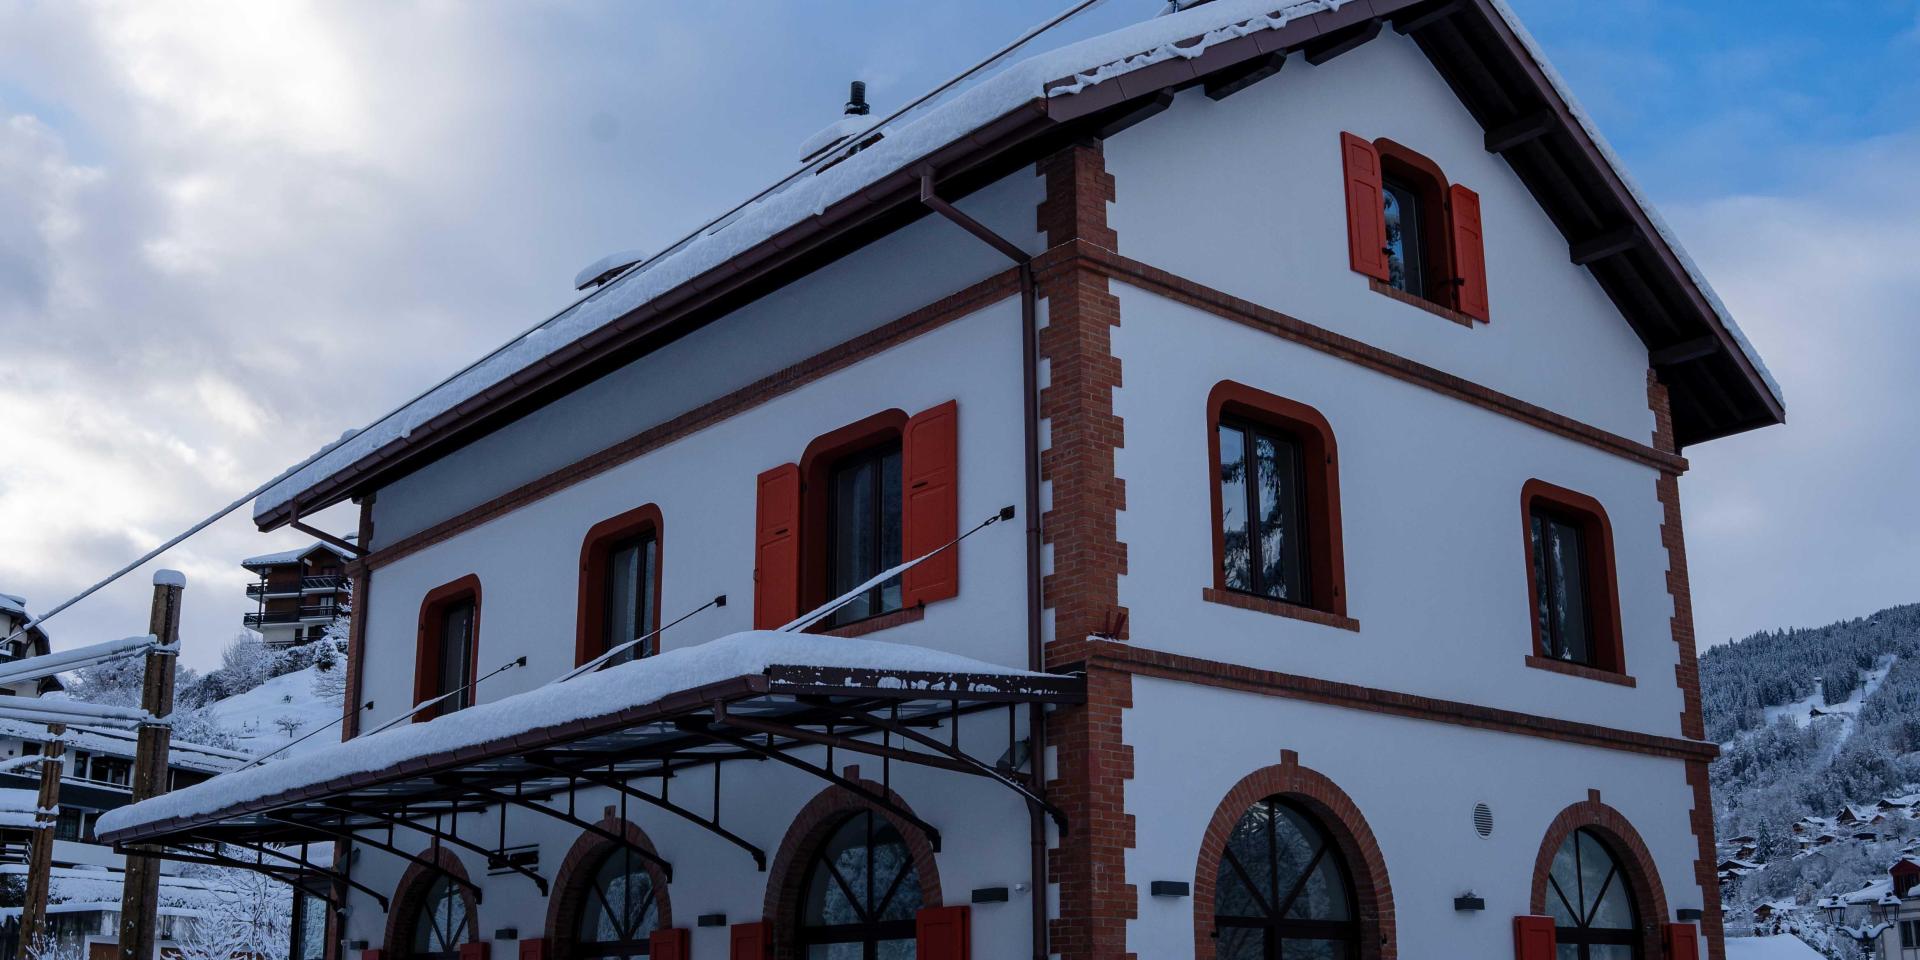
x=857, y=99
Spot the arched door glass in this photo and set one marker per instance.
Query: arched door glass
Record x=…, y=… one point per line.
x=440, y=923
x=1591, y=904
x=1282, y=891
x=618, y=916
x=862, y=894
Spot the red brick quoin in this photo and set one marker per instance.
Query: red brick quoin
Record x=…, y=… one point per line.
x=574, y=881
x=812, y=826
x=411, y=895
x=1624, y=842
x=1373, y=893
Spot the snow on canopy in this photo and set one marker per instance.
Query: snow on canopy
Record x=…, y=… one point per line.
x=633, y=684
x=906, y=141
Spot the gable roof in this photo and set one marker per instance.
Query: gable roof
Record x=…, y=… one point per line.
x=1717, y=382
x=290, y=556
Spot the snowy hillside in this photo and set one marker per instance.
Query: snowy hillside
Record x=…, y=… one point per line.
x=276, y=713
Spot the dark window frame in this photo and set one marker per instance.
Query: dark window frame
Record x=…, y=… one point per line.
x=1412, y=172
x=1277, y=924
x=430, y=646
x=596, y=551
x=817, y=468
x=1324, y=555
x=1601, y=587
x=582, y=948
x=1584, y=935
x=868, y=932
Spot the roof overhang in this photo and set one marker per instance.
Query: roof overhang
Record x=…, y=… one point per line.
x=1716, y=387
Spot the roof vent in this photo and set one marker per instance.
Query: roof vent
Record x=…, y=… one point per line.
x=852, y=121
x=605, y=268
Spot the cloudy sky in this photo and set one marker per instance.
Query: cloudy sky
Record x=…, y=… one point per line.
x=229, y=231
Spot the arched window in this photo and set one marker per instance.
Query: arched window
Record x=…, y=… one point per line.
x=1590, y=902
x=440, y=922
x=620, y=912
x=862, y=894
x=1283, y=891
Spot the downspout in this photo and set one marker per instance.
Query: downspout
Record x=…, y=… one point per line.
x=1036, y=657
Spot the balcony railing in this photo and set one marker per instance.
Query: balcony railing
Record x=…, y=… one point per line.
x=312, y=613
x=321, y=584
x=258, y=620
x=262, y=590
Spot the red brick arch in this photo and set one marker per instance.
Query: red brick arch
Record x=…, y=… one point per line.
x=1624, y=842
x=787, y=878
x=1373, y=894
x=575, y=875
x=412, y=891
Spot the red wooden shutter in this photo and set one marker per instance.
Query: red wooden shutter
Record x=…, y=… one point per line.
x=1469, y=252
x=750, y=941
x=944, y=933
x=1683, y=942
x=478, y=950
x=1533, y=938
x=533, y=948
x=776, y=551
x=674, y=943
x=930, y=472
x=1366, y=207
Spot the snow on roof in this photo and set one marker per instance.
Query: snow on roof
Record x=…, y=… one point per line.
x=289, y=556
x=20, y=808
x=192, y=756
x=906, y=141
x=87, y=889
x=1871, y=893
x=13, y=604
x=591, y=696
x=1782, y=947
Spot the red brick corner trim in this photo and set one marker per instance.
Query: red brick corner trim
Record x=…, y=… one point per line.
x=1373, y=892
x=410, y=895
x=813, y=826
x=1623, y=841
x=572, y=882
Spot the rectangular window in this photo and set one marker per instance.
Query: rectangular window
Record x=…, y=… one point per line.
x=456, y=655
x=309, y=928
x=864, y=530
x=630, y=598
x=1909, y=934
x=67, y=827
x=1405, y=253
x=1560, y=583
x=1262, y=513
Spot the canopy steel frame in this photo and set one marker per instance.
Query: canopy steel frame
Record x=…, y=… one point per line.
x=772, y=753
x=625, y=788
x=330, y=874
x=346, y=833
x=442, y=836
x=573, y=821
x=184, y=852
x=1024, y=786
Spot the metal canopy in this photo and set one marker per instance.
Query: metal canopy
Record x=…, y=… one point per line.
x=898, y=717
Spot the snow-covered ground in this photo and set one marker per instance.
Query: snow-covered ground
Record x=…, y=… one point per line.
x=1801, y=711
x=256, y=717
x=1782, y=947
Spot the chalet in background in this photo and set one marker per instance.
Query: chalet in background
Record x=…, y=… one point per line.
x=1342, y=612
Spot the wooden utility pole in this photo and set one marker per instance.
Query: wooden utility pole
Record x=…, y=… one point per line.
x=33, y=914
x=140, y=894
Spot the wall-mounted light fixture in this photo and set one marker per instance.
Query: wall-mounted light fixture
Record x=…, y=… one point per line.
x=990, y=895
x=507, y=933
x=712, y=920
x=356, y=945
x=1169, y=888
x=1469, y=902
x=1689, y=914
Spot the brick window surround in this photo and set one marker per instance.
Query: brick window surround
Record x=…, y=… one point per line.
x=814, y=825
x=1326, y=558
x=1603, y=589
x=573, y=882
x=426, y=659
x=410, y=894
x=1308, y=789
x=594, y=549
x=1613, y=829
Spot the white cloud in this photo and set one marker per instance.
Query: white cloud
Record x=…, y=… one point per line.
x=1813, y=521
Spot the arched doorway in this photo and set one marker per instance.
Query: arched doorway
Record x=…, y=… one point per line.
x=862, y=892
x=1591, y=900
x=1282, y=890
x=607, y=898
x=433, y=909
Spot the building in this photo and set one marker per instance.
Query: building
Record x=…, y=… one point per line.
x=1884, y=916
x=14, y=616
x=300, y=592
x=1414, y=646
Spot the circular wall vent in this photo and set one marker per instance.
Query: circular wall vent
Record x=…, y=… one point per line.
x=1483, y=819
